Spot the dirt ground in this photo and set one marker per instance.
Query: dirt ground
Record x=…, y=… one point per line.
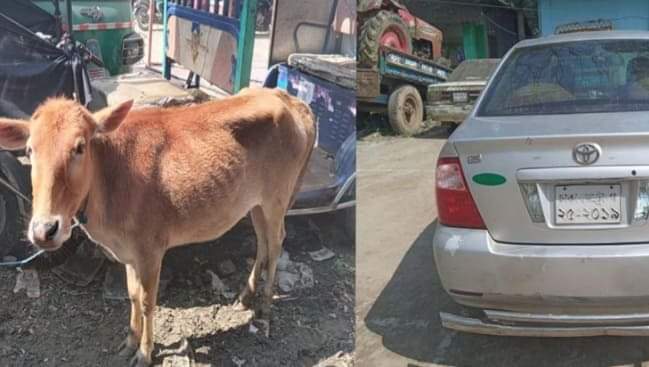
x=194, y=326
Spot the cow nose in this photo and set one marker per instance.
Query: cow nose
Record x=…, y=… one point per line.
x=45, y=231
x=50, y=229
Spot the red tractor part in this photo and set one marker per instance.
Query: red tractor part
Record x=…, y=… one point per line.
x=388, y=23
x=385, y=28
x=394, y=37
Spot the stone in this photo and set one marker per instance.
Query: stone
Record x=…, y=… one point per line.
x=226, y=268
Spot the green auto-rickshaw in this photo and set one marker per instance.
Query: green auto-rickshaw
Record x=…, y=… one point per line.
x=106, y=28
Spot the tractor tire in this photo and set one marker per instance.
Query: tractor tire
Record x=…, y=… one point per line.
x=374, y=31
x=406, y=110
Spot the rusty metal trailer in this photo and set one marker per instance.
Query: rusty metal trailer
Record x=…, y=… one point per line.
x=398, y=86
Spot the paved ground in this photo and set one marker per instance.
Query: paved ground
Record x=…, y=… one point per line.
x=398, y=293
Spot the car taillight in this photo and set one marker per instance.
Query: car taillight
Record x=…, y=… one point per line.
x=455, y=205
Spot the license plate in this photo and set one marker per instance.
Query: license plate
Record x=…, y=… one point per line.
x=587, y=204
x=460, y=97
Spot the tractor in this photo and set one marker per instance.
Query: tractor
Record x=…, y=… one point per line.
x=398, y=57
x=389, y=23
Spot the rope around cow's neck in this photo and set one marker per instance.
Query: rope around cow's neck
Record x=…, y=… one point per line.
x=76, y=222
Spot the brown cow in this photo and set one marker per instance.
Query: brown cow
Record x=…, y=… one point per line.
x=152, y=179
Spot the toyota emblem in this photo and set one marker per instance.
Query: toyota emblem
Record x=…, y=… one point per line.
x=586, y=153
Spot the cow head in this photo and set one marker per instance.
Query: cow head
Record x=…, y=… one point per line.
x=58, y=140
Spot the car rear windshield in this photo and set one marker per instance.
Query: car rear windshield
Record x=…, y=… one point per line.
x=571, y=77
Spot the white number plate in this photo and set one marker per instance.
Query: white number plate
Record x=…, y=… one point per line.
x=587, y=204
x=460, y=97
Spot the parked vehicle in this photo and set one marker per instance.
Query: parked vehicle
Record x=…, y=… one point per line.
x=396, y=63
x=388, y=23
x=543, y=192
x=453, y=100
x=104, y=27
x=323, y=78
x=141, y=13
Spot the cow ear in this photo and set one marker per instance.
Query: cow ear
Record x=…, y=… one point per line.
x=13, y=134
x=109, y=118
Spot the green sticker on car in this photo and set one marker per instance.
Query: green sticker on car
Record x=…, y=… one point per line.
x=489, y=179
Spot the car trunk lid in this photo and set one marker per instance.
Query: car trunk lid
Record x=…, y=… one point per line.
x=518, y=167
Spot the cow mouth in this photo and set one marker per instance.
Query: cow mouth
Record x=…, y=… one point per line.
x=49, y=246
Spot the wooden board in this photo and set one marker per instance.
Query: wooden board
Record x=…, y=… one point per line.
x=207, y=51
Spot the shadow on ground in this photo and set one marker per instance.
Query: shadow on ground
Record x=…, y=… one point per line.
x=74, y=326
x=406, y=316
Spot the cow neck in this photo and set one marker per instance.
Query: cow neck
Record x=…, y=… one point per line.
x=105, y=151
x=87, y=211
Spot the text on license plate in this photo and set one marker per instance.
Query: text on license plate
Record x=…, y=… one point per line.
x=460, y=97
x=587, y=204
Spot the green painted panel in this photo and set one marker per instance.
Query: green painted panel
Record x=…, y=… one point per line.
x=489, y=179
x=474, y=37
x=245, y=45
x=110, y=40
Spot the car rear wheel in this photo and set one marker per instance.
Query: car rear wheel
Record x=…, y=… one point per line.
x=406, y=110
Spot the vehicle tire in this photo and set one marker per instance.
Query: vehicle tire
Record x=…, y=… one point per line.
x=383, y=29
x=347, y=221
x=12, y=223
x=406, y=110
x=141, y=15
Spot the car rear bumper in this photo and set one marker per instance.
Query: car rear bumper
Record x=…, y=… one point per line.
x=543, y=285
x=448, y=112
x=491, y=327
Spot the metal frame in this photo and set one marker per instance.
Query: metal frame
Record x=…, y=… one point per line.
x=335, y=203
x=245, y=41
x=327, y=26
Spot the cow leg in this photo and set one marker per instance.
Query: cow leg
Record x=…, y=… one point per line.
x=275, y=234
x=248, y=292
x=149, y=275
x=132, y=341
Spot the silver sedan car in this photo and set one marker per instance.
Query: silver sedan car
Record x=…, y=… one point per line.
x=543, y=193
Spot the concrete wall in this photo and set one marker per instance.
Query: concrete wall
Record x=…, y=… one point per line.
x=624, y=14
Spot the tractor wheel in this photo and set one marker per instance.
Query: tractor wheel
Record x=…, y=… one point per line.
x=406, y=110
x=383, y=29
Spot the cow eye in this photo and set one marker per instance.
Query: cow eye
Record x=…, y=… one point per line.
x=79, y=148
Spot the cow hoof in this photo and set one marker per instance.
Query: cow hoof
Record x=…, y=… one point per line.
x=125, y=350
x=139, y=360
x=240, y=306
x=264, y=326
x=244, y=303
